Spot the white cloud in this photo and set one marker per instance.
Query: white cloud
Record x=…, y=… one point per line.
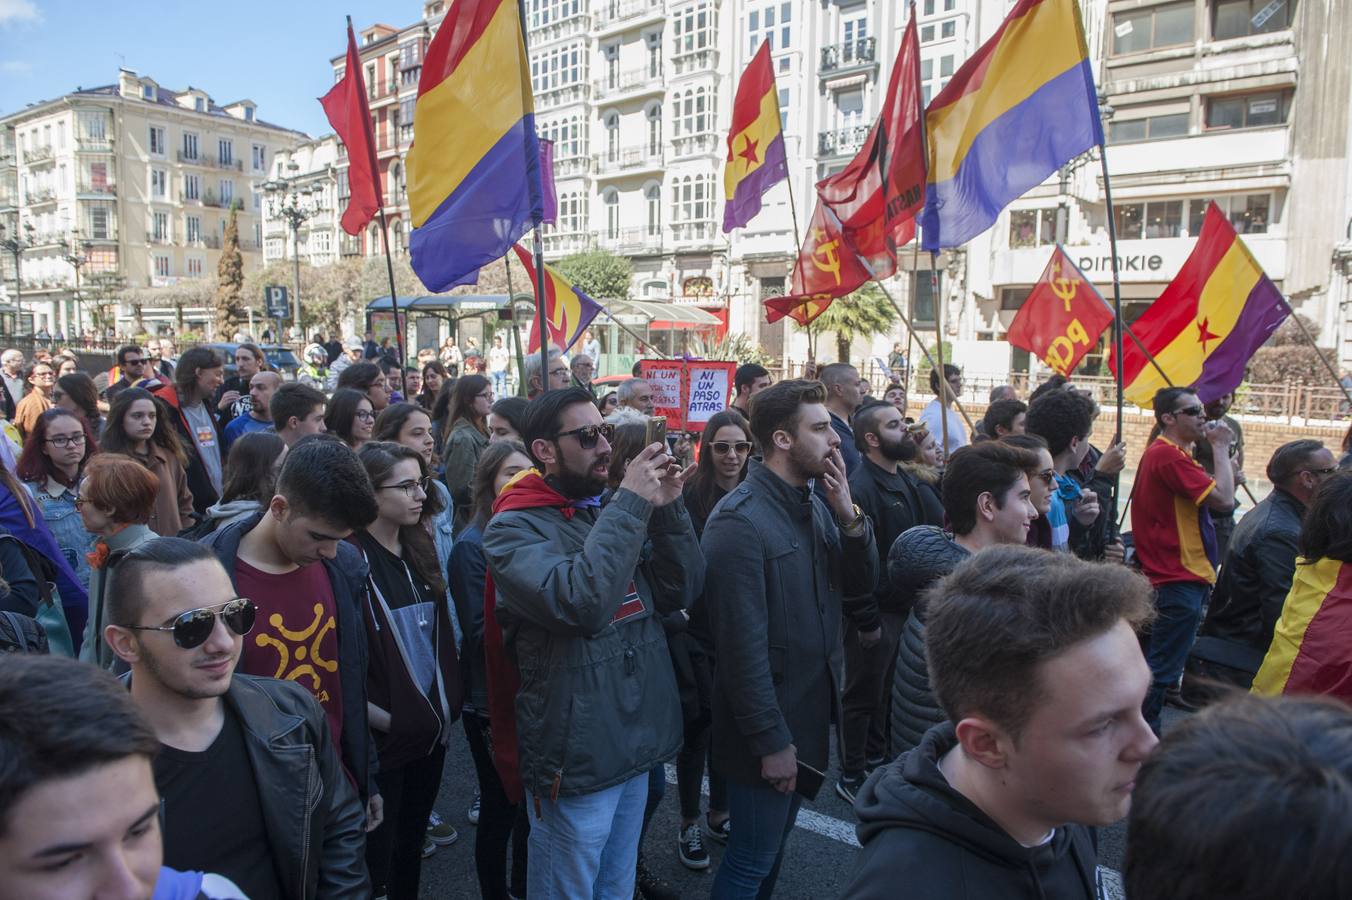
x=16, y=67
x=15, y=11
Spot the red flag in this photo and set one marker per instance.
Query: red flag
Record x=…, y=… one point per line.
x=879, y=193
x=826, y=269
x=348, y=113
x=1062, y=318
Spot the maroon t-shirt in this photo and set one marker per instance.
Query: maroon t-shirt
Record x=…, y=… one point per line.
x=295, y=635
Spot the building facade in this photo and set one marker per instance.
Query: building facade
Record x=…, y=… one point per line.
x=134, y=181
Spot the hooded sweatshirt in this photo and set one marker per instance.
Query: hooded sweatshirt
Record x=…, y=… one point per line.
x=920, y=833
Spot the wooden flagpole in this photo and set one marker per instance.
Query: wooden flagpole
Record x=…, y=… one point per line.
x=914, y=335
x=939, y=349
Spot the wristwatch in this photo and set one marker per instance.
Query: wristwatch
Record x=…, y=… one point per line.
x=853, y=523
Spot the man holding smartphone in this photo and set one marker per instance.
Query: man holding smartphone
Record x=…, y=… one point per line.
x=778, y=560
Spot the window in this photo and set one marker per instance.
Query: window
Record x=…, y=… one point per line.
x=613, y=137
x=694, y=112
x=258, y=235
x=94, y=126
x=227, y=193
x=61, y=135
x=1248, y=213
x=159, y=227
x=1032, y=228
x=259, y=158
x=654, y=40
x=557, y=67
x=784, y=95
x=547, y=12
x=849, y=109
x=1248, y=110
x=1239, y=18
x=248, y=113
x=194, y=267
x=159, y=184
x=192, y=187
x=572, y=216
x=693, y=28
x=200, y=104
x=926, y=33
x=948, y=29
x=1012, y=299
x=692, y=199
x=406, y=120
x=225, y=152
x=410, y=55
x=157, y=145
x=654, y=115
x=1149, y=219
x=855, y=28
x=344, y=190
x=652, y=194
x=773, y=24
x=612, y=202
x=1146, y=29
x=257, y=201
x=189, y=146
x=922, y=297
x=371, y=87
x=1151, y=128
x=161, y=266
x=98, y=223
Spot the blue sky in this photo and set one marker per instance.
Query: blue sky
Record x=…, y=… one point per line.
x=275, y=53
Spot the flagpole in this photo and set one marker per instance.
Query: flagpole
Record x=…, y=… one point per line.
x=1117, y=284
x=1317, y=352
x=394, y=295
x=798, y=253
x=939, y=350
x=521, y=385
x=911, y=330
x=633, y=334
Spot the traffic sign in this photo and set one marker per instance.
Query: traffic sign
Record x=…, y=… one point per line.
x=275, y=301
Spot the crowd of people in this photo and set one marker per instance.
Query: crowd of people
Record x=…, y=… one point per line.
x=249, y=615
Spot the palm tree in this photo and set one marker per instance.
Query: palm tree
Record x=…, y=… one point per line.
x=862, y=314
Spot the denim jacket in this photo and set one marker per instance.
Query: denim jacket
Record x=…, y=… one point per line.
x=66, y=525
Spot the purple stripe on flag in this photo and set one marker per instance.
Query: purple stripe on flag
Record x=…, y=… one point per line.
x=551, y=199
x=1011, y=156
x=746, y=197
x=1223, y=369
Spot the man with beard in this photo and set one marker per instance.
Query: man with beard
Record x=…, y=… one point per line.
x=234, y=750
x=596, y=708
x=891, y=499
x=779, y=559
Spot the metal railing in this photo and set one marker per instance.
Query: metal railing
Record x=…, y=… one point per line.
x=90, y=187
x=38, y=154
x=629, y=80
x=841, y=141
x=847, y=55
x=626, y=158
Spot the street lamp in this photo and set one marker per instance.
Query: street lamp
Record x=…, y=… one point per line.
x=17, y=244
x=77, y=254
x=296, y=204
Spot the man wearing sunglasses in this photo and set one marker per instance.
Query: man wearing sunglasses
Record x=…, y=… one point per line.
x=236, y=752
x=1173, y=534
x=135, y=372
x=580, y=592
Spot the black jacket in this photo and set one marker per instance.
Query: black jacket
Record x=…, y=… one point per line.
x=1088, y=541
x=777, y=567
x=467, y=573
x=918, y=559
x=314, y=821
x=1256, y=576
x=925, y=841
x=893, y=503
x=347, y=574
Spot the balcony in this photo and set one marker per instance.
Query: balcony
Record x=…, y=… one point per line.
x=93, y=145
x=576, y=92
x=40, y=197
x=694, y=145
x=235, y=164
x=95, y=190
x=694, y=62
x=572, y=166
x=841, y=141
x=848, y=57
x=629, y=161
x=196, y=159
x=160, y=240
x=631, y=85
x=557, y=29
x=569, y=242
x=615, y=16
x=38, y=155
x=212, y=241
x=697, y=232
x=633, y=241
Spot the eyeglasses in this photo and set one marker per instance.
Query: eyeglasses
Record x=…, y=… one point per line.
x=587, y=434
x=193, y=627
x=1048, y=476
x=1193, y=411
x=557, y=372
x=1322, y=472
x=47, y=374
x=128, y=363
x=724, y=447
x=365, y=415
x=65, y=440
x=423, y=484
x=486, y=395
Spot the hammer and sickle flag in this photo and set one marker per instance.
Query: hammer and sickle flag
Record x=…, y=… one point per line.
x=827, y=268
x=1063, y=317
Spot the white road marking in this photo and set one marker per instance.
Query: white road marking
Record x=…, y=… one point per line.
x=815, y=822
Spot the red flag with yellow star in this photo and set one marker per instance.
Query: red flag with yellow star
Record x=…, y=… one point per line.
x=756, y=160
x=827, y=269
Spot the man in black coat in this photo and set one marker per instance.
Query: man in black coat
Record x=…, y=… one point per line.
x=891, y=500
x=779, y=559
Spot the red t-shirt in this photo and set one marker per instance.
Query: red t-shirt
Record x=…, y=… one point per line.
x=1175, y=539
x=295, y=636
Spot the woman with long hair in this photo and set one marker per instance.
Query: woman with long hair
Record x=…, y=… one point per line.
x=413, y=680
x=608, y=403
x=250, y=476
x=50, y=466
x=1050, y=524
x=434, y=375
x=500, y=821
x=350, y=416
x=66, y=364
x=725, y=449
x=76, y=392
x=507, y=419
x=141, y=426
x=920, y=460
x=117, y=497
x=465, y=438
x=41, y=380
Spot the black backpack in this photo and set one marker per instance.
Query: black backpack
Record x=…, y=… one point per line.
x=21, y=634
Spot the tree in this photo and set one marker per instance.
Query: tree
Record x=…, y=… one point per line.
x=600, y=274
x=230, y=310
x=1288, y=358
x=862, y=314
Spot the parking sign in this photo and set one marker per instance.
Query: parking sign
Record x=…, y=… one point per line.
x=275, y=301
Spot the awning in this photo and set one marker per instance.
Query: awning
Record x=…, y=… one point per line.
x=441, y=303
x=651, y=311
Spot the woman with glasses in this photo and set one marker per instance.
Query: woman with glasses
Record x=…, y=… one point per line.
x=608, y=403
x=499, y=820
x=117, y=498
x=1050, y=530
x=413, y=678
x=140, y=426
x=350, y=416
x=76, y=392
x=41, y=378
x=465, y=438
x=50, y=467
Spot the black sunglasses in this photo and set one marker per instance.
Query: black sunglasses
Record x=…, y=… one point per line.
x=725, y=446
x=587, y=434
x=192, y=628
x=1193, y=411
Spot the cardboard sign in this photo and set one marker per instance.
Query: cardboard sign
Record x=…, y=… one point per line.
x=688, y=392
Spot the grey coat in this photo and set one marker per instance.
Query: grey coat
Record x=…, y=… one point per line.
x=597, y=703
x=777, y=568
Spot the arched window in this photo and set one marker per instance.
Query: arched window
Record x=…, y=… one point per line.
x=652, y=194
x=613, y=137
x=397, y=237
x=612, y=201
x=655, y=129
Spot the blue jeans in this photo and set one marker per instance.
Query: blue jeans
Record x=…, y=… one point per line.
x=764, y=818
x=1179, y=610
x=499, y=384
x=586, y=846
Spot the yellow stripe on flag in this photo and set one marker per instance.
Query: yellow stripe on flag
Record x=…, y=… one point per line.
x=761, y=132
x=1309, y=587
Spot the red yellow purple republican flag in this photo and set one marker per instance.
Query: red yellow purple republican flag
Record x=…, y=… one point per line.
x=1209, y=321
x=474, y=167
x=1018, y=109
x=756, y=160
x=1311, y=649
x=568, y=311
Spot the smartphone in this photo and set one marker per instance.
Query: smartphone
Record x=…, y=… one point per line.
x=809, y=782
x=656, y=430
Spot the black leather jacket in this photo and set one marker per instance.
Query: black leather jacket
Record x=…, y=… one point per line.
x=1257, y=572
x=918, y=559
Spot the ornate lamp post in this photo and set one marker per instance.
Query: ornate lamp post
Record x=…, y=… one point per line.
x=77, y=254
x=17, y=243
x=296, y=204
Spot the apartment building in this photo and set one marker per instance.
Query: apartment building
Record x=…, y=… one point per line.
x=135, y=179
